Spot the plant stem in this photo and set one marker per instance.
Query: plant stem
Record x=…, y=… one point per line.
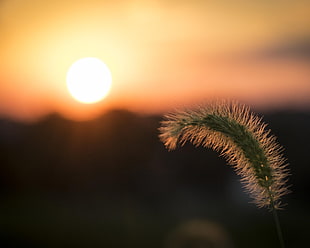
x=278, y=226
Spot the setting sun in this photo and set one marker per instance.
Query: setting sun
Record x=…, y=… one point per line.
x=89, y=80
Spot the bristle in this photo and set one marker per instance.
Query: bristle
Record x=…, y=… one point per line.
x=239, y=136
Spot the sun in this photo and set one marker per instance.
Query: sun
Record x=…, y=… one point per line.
x=89, y=80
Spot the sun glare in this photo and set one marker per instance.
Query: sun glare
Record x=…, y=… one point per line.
x=89, y=80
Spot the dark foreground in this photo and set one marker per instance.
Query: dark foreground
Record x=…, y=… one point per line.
x=111, y=183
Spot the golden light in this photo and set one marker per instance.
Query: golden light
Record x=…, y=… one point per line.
x=89, y=80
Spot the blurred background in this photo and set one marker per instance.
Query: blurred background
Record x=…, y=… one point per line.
x=76, y=175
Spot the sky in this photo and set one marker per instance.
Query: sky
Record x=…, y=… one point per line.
x=162, y=54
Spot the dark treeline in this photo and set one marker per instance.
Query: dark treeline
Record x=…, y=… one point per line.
x=110, y=181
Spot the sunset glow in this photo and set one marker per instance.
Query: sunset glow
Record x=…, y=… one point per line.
x=162, y=54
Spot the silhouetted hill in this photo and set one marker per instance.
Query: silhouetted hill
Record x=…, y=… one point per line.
x=114, y=169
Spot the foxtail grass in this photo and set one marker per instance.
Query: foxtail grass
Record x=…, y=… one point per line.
x=243, y=139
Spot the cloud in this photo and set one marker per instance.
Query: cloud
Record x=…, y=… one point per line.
x=290, y=49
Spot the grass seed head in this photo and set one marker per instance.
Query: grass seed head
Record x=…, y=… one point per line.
x=242, y=138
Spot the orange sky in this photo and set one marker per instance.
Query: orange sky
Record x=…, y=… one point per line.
x=162, y=54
